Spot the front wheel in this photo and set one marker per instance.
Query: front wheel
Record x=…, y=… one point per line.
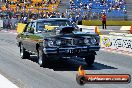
x=90, y=59
x=42, y=59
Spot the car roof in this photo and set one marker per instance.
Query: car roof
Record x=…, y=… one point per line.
x=50, y=19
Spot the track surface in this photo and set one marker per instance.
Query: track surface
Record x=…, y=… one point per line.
x=59, y=74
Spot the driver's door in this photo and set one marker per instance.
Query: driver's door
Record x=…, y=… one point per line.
x=26, y=34
x=33, y=38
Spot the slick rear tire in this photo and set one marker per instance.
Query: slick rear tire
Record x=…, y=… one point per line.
x=23, y=53
x=90, y=59
x=42, y=58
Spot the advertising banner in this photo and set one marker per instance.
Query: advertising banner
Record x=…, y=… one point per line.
x=121, y=42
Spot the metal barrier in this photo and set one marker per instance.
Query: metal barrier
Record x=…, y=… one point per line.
x=9, y=23
x=1, y=23
x=13, y=23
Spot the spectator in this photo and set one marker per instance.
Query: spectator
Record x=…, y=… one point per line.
x=62, y=15
x=79, y=19
x=95, y=7
x=13, y=22
x=103, y=21
x=25, y=19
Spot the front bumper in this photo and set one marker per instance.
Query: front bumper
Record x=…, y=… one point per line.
x=71, y=50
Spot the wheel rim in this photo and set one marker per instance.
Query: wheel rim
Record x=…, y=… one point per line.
x=21, y=51
x=40, y=61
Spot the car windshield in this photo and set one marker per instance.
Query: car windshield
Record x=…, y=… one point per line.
x=52, y=24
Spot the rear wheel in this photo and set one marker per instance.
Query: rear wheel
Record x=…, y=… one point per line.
x=23, y=53
x=42, y=59
x=90, y=59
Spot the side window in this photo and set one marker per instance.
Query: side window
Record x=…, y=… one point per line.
x=40, y=26
x=32, y=30
x=33, y=26
x=29, y=27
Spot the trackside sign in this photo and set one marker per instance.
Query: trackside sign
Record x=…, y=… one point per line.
x=120, y=42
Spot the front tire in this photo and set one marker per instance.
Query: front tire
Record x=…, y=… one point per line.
x=42, y=59
x=23, y=53
x=90, y=59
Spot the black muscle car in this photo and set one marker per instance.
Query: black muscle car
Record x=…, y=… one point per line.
x=56, y=38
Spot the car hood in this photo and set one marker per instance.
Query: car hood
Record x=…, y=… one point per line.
x=73, y=34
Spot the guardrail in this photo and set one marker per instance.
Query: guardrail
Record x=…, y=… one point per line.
x=8, y=23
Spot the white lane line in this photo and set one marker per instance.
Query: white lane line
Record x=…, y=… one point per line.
x=117, y=51
x=9, y=32
x=3, y=31
x=5, y=83
x=13, y=33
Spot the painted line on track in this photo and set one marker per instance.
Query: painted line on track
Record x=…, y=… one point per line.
x=116, y=51
x=5, y=83
x=9, y=32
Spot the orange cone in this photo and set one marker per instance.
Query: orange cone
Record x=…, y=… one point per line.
x=131, y=29
x=97, y=31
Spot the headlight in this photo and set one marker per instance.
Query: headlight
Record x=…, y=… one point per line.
x=50, y=43
x=86, y=41
x=58, y=42
x=93, y=41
